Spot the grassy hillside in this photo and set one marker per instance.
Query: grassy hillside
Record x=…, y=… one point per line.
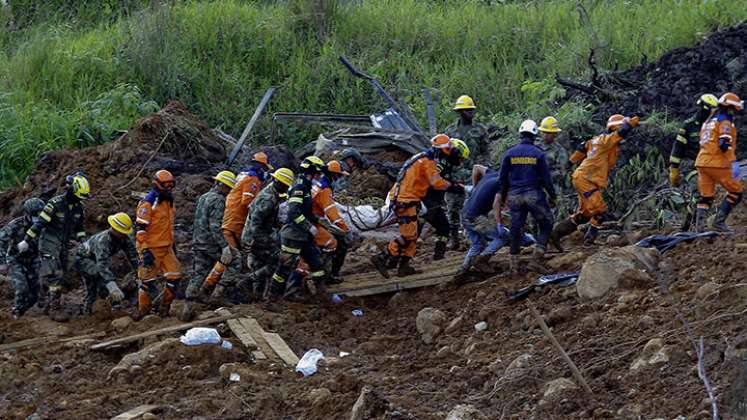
x=72, y=74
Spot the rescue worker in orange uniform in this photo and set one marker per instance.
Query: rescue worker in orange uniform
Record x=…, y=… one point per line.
x=248, y=185
x=717, y=163
x=417, y=176
x=597, y=156
x=334, y=241
x=155, y=245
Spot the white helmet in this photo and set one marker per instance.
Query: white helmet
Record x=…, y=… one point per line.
x=528, y=126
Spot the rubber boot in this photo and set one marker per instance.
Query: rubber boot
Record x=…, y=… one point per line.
x=439, y=252
x=380, y=262
x=405, y=269
x=591, y=235
x=700, y=219
x=455, y=240
x=392, y=262
x=56, y=311
x=719, y=223
x=188, y=312
x=513, y=264
x=561, y=230
x=169, y=295
x=537, y=264
x=143, y=304
x=218, y=297
x=481, y=264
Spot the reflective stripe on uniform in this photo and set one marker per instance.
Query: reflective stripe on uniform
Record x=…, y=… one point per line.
x=681, y=139
x=81, y=234
x=329, y=207
x=248, y=193
x=278, y=278
x=674, y=159
x=317, y=274
x=300, y=219
x=45, y=216
x=296, y=200
x=338, y=221
x=31, y=233
x=142, y=222
x=290, y=250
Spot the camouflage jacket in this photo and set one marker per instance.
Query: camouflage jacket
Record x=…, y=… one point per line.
x=60, y=221
x=101, y=248
x=262, y=224
x=476, y=137
x=557, y=160
x=207, y=234
x=10, y=235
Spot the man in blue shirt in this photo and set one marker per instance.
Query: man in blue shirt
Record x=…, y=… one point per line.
x=525, y=184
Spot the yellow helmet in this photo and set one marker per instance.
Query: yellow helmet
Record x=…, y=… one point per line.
x=285, y=176
x=708, y=101
x=312, y=162
x=461, y=147
x=79, y=186
x=549, y=125
x=226, y=177
x=464, y=102
x=121, y=222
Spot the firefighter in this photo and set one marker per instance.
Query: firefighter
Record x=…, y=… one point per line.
x=475, y=135
x=335, y=239
x=717, y=163
x=597, y=156
x=94, y=258
x=685, y=148
x=249, y=183
x=261, y=236
x=155, y=244
x=417, y=176
x=298, y=232
x=526, y=184
x=60, y=222
x=434, y=200
x=208, y=243
x=22, y=267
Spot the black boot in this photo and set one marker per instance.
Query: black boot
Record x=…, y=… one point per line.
x=455, y=240
x=719, y=223
x=439, y=252
x=381, y=262
x=700, y=219
x=561, y=230
x=591, y=235
x=405, y=269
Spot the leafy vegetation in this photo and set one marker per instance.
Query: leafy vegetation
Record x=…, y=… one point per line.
x=77, y=73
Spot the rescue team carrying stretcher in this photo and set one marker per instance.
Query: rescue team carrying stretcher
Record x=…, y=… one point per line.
x=243, y=243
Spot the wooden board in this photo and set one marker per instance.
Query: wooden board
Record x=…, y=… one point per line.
x=243, y=335
x=395, y=285
x=281, y=348
x=160, y=331
x=46, y=340
x=256, y=331
x=375, y=278
x=135, y=412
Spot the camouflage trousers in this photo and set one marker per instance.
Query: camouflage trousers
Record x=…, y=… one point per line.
x=202, y=262
x=262, y=262
x=25, y=280
x=93, y=282
x=454, y=206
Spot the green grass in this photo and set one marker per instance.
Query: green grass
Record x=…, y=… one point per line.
x=71, y=76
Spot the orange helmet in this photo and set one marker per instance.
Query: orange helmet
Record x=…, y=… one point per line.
x=615, y=121
x=163, y=180
x=334, y=167
x=441, y=142
x=261, y=157
x=730, y=99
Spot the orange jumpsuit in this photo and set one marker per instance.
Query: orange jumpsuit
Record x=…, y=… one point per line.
x=598, y=156
x=323, y=205
x=418, y=175
x=247, y=187
x=155, y=221
x=713, y=164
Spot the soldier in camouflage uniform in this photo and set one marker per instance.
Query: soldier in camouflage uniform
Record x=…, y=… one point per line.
x=261, y=235
x=59, y=222
x=556, y=156
x=23, y=268
x=475, y=135
x=208, y=242
x=93, y=259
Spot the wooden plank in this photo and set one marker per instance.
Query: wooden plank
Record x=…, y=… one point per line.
x=250, y=125
x=257, y=333
x=397, y=286
x=373, y=277
x=46, y=340
x=243, y=335
x=136, y=412
x=160, y=331
x=281, y=348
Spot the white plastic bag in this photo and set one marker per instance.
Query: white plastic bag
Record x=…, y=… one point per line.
x=200, y=335
x=307, y=364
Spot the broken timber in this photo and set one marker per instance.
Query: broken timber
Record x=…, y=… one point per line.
x=160, y=331
x=262, y=344
x=373, y=283
x=136, y=412
x=47, y=340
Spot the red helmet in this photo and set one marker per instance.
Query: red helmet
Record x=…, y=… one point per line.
x=164, y=180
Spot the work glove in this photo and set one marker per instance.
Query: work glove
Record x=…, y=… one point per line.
x=226, y=255
x=735, y=170
x=313, y=230
x=456, y=188
x=632, y=121
x=4, y=269
x=674, y=176
x=115, y=294
x=22, y=246
x=148, y=259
